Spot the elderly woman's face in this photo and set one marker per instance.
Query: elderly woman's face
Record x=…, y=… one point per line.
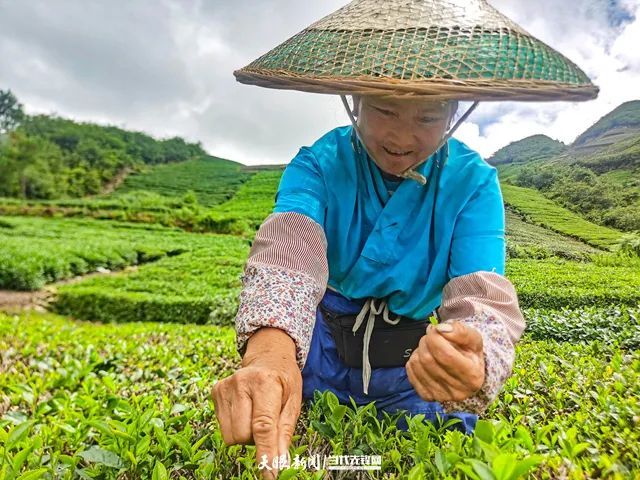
x=400, y=133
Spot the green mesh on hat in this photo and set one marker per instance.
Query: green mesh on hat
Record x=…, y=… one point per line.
x=446, y=49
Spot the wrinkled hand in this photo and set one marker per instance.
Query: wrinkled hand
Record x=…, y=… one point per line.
x=448, y=364
x=260, y=403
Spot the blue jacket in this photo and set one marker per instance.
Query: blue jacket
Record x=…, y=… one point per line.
x=403, y=247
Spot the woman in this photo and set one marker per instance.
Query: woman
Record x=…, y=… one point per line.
x=382, y=224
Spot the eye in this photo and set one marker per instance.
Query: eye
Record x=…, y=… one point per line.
x=428, y=119
x=383, y=111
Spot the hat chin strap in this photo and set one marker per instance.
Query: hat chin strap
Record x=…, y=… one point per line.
x=411, y=171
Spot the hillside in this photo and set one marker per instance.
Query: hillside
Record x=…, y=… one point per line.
x=529, y=240
x=56, y=166
x=598, y=176
x=48, y=157
x=612, y=128
x=539, y=210
x=211, y=180
x=602, y=156
x=612, y=142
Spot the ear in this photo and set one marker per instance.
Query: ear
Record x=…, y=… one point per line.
x=356, y=105
x=453, y=109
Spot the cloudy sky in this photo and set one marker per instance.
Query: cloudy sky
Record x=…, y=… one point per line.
x=165, y=67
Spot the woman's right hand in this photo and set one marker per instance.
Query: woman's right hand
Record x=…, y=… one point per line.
x=260, y=403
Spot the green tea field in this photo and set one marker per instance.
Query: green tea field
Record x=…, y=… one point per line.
x=112, y=379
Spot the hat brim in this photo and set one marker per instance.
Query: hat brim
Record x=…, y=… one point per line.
x=433, y=89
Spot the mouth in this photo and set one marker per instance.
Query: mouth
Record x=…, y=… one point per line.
x=394, y=153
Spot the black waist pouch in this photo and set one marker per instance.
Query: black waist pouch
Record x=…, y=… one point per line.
x=390, y=345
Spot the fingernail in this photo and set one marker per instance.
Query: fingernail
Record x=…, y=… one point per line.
x=444, y=327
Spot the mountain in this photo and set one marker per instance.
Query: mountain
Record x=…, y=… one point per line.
x=617, y=126
x=612, y=143
x=597, y=176
x=624, y=154
x=536, y=147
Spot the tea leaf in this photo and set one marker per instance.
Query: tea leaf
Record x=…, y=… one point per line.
x=102, y=457
x=159, y=472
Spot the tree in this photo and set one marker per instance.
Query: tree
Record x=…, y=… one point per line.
x=49, y=157
x=11, y=113
x=28, y=168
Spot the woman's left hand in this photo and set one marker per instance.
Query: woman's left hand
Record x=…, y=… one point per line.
x=448, y=364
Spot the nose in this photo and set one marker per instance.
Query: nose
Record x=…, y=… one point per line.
x=403, y=135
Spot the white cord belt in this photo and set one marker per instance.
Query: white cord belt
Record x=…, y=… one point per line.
x=370, y=308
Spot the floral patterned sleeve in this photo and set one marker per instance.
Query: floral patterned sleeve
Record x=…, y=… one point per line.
x=284, y=280
x=487, y=302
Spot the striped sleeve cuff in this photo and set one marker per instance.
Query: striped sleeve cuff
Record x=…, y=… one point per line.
x=479, y=292
x=487, y=302
x=284, y=281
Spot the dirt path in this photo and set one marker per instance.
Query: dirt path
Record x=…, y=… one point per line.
x=14, y=301
x=116, y=181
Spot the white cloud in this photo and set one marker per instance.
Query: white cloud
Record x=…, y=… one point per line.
x=166, y=67
x=581, y=31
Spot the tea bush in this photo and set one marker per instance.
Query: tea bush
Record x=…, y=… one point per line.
x=241, y=215
x=36, y=251
x=607, y=324
x=558, y=284
x=85, y=400
x=526, y=240
x=212, y=180
x=196, y=287
x=203, y=286
x=539, y=210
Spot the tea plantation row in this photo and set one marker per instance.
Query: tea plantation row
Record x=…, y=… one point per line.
x=202, y=286
x=212, y=180
x=241, y=215
x=83, y=400
x=38, y=251
x=539, y=210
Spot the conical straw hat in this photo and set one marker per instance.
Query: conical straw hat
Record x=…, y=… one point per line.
x=440, y=49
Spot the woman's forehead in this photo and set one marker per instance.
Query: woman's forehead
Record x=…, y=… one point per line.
x=408, y=103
